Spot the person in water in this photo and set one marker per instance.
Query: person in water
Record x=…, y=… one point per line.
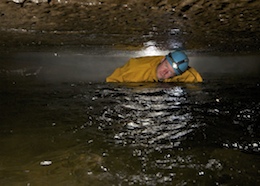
x=173, y=67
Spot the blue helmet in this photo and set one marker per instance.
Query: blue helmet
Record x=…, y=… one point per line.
x=179, y=61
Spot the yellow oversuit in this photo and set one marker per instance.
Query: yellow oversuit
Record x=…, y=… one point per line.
x=143, y=69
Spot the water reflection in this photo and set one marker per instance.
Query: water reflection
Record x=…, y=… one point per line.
x=150, y=116
x=150, y=121
x=124, y=134
x=170, y=130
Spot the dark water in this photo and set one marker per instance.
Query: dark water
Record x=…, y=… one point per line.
x=74, y=132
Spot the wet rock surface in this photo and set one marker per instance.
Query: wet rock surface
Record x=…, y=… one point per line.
x=198, y=25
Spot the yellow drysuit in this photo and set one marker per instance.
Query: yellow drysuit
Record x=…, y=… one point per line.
x=143, y=69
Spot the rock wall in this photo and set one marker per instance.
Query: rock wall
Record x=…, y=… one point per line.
x=225, y=25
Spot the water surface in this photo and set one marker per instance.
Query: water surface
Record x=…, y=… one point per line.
x=60, y=127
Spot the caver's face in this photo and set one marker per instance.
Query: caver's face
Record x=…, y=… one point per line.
x=164, y=70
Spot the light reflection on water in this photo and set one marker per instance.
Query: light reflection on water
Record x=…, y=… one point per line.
x=129, y=134
x=171, y=130
x=150, y=117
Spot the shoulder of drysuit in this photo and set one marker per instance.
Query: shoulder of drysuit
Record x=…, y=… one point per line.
x=144, y=61
x=141, y=64
x=191, y=75
x=142, y=69
x=136, y=70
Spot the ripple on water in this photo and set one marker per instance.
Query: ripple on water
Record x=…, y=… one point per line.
x=153, y=117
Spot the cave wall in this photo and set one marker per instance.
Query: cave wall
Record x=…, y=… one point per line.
x=225, y=25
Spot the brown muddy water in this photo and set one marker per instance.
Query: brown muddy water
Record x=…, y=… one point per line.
x=62, y=125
